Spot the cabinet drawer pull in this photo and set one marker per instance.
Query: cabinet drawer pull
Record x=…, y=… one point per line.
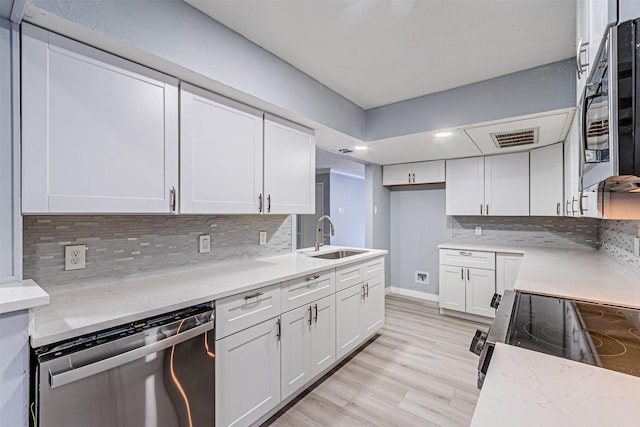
x=260, y=203
x=315, y=318
x=558, y=209
x=462, y=274
x=362, y=291
x=314, y=277
x=366, y=290
x=480, y=208
x=468, y=278
x=310, y=316
x=409, y=178
x=465, y=253
x=279, y=330
x=172, y=194
x=256, y=295
x=487, y=209
x=413, y=176
x=269, y=203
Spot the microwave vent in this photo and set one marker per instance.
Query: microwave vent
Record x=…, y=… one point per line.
x=515, y=138
x=598, y=128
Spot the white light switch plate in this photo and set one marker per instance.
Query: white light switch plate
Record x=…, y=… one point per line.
x=205, y=244
x=75, y=257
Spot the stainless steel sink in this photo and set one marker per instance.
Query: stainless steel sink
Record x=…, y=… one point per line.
x=338, y=254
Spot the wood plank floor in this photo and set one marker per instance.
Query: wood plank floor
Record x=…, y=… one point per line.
x=417, y=372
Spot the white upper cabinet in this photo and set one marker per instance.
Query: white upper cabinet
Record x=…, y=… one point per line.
x=289, y=168
x=99, y=134
x=506, y=185
x=547, y=181
x=414, y=173
x=220, y=154
x=465, y=186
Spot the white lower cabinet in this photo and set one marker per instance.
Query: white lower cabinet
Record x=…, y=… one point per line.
x=480, y=287
x=248, y=374
x=308, y=343
x=507, y=267
x=359, y=314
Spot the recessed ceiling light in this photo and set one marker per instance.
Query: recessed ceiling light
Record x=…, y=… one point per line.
x=360, y=147
x=443, y=134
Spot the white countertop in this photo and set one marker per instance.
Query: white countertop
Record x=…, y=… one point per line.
x=21, y=296
x=80, y=311
x=582, y=274
x=527, y=388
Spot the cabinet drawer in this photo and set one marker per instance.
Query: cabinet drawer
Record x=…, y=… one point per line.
x=241, y=311
x=372, y=268
x=298, y=292
x=349, y=275
x=472, y=259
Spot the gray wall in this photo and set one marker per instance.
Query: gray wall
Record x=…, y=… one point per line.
x=176, y=38
x=418, y=226
x=120, y=247
x=377, y=226
x=545, y=88
x=617, y=241
x=347, y=209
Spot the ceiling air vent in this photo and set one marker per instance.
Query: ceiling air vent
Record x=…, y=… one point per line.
x=345, y=150
x=515, y=138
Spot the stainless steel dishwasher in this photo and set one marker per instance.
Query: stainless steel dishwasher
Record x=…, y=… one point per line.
x=158, y=372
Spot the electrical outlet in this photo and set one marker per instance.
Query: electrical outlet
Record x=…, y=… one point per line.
x=422, y=277
x=375, y=210
x=205, y=244
x=636, y=246
x=263, y=238
x=75, y=257
x=478, y=231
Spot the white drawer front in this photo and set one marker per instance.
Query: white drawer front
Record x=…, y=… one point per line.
x=471, y=259
x=348, y=276
x=373, y=268
x=241, y=311
x=298, y=292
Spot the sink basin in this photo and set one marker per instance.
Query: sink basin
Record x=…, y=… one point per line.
x=338, y=254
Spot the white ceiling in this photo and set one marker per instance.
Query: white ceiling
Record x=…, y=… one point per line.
x=338, y=162
x=376, y=52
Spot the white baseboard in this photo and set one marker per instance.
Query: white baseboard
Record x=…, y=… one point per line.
x=411, y=293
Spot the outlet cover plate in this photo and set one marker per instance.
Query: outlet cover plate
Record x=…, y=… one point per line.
x=422, y=277
x=263, y=238
x=75, y=257
x=204, y=244
x=478, y=231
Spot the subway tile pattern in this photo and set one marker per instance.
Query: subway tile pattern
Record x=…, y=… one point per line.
x=131, y=246
x=617, y=241
x=531, y=231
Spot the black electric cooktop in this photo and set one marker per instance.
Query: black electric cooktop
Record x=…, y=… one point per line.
x=599, y=335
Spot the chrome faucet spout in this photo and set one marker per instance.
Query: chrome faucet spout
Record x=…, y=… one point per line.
x=319, y=236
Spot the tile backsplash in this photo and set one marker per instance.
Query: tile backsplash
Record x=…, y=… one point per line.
x=531, y=231
x=130, y=246
x=617, y=241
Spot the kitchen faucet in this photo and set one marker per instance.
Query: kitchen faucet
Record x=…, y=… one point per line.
x=319, y=234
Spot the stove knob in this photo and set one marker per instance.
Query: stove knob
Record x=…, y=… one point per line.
x=495, y=301
x=478, y=341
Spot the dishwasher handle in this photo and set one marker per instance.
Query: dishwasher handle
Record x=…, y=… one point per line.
x=66, y=377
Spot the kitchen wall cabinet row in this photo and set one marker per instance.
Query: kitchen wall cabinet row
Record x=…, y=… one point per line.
x=469, y=280
x=515, y=184
x=104, y=135
x=274, y=341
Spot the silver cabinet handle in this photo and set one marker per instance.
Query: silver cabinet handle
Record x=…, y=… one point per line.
x=567, y=211
x=62, y=378
x=260, y=202
x=314, y=277
x=558, y=208
x=414, y=177
x=310, y=316
x=480, y=208
x=409, y=178
x=173, y=198
x=573, y=202
x=256, y=295
x=487, y=210
x=269, y=203
x=580, y=67
x=468, y=278
x=366, y=292
x=279, y=329
x=581, y=205
x=462, y=274
x=464, y=253
x=362, y=291
x=315, y=318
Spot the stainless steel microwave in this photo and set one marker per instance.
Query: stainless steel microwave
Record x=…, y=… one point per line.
x=610, y=114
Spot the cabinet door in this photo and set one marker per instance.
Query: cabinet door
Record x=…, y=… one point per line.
x=480, y=287
x=247, y=374
x=323, y=335
x=349, y=319
x=465, y=186
x=100, y=133
x=582, y=36
x=452, y=287
x=396, y=174
x=220, y=154
x=428, y=172
x=373, y=316
x=572, y=169
x=506, y=185
x=547, y=179
x=289, y=169
x=296, y=349
x=507, y=267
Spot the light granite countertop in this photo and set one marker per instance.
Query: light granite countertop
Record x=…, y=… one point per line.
x=527, y=388
x=80, y=311
x=21, y=296
x=582, y=274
